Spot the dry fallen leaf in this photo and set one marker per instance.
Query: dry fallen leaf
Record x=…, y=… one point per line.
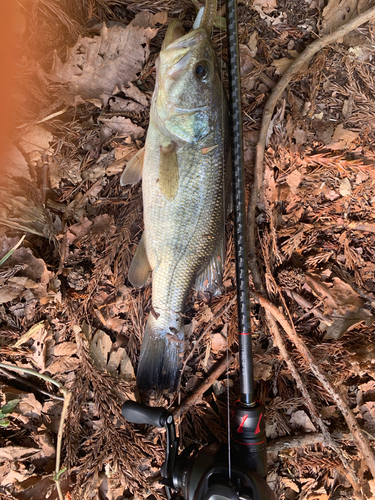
x=262, y=371
x=116, y=363
x=267, y=6
x=98, y=67
x=218, y=342
x=345, y=188
x=288, y=483
x=341, y=303
x=35, y=139
x=122, y=127
x=17, y=453
x=301, y=419
x=14, y=163
x=294, y=180
x=282, y=65
x=336, y=13
x=368, y=414
x=342, y=138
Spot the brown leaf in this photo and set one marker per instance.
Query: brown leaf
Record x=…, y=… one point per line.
x=96, y=67
x=28, y=407
x=301, y=419
x=294, y=180
x=341, y=303
x=218, y=342
x=65, y=349
x=63, y=364
x=342, y=138
x=117, y=363
x=368, y=414
x=344, y=323
x=14, y=163
x=35, y=140
x=39, y=348
x=17, y=453
x=267, y=6
x=282, y=65
x=262, y=371
x=34, y=269
x=122, y=127
x=336, y=13
x=288, y=483
x=345, y=188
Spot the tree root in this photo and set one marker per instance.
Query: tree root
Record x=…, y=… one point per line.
x=359, y=437
x=272, y=312
x=301, y=60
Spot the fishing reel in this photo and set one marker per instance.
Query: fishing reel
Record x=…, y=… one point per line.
x=211, y=473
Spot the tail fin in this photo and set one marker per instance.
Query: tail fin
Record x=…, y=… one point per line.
x=161, y=356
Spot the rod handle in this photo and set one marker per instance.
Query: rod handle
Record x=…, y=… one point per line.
x=140, y=414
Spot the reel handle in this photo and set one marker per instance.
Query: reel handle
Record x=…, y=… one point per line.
x=139, y=414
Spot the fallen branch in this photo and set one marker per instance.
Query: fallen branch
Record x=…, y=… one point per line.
x=307, y=305
x=218, y=370
x=301, y=60
x=329, y=441
x=310, y=438
x=67, y=395
x=9, y=374
x=359, y=437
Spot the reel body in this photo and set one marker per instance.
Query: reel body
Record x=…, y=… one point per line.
x=204, y=474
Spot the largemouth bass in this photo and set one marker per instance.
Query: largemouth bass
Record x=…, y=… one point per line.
x=183, y=186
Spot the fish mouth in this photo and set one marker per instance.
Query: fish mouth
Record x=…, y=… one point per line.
x=189, y=40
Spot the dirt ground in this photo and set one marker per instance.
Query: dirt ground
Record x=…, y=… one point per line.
x=80, y=103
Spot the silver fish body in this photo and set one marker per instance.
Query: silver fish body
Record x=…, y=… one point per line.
x=184, y=184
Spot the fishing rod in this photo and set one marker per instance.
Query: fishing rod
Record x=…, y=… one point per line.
x=236, y=470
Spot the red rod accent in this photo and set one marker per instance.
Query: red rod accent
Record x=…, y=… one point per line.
x=240, y=427
x=250, y=444
x=257, y=430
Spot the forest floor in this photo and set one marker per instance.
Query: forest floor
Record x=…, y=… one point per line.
x=68, y=311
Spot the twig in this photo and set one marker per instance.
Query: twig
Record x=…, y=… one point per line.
x=214, y=375
x=307, y=305
x=29, y=384
x=67, y=395
x=279, y=342
x=301, y=60
x=308, y=439
x=358, y=436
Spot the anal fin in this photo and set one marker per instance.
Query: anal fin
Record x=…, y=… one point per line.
x=139, y=269
x=210, y=278
x=133, y=170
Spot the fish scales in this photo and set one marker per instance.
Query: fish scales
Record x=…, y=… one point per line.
x=184, y=183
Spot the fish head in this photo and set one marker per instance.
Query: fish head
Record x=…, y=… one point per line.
x=188, y=87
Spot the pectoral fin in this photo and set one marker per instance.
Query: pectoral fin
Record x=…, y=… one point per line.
x=133, y=170
x=210, y=278
x=168, y=171
x=139, y=269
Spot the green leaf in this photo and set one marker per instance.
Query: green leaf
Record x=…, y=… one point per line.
x=221, y=23
x=6, y=256
x=9, y=407
x=4, y=422
x=57, y=476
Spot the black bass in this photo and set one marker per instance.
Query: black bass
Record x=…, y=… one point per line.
x=184, y=184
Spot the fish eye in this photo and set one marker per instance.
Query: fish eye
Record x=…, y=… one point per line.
x=201, y=70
